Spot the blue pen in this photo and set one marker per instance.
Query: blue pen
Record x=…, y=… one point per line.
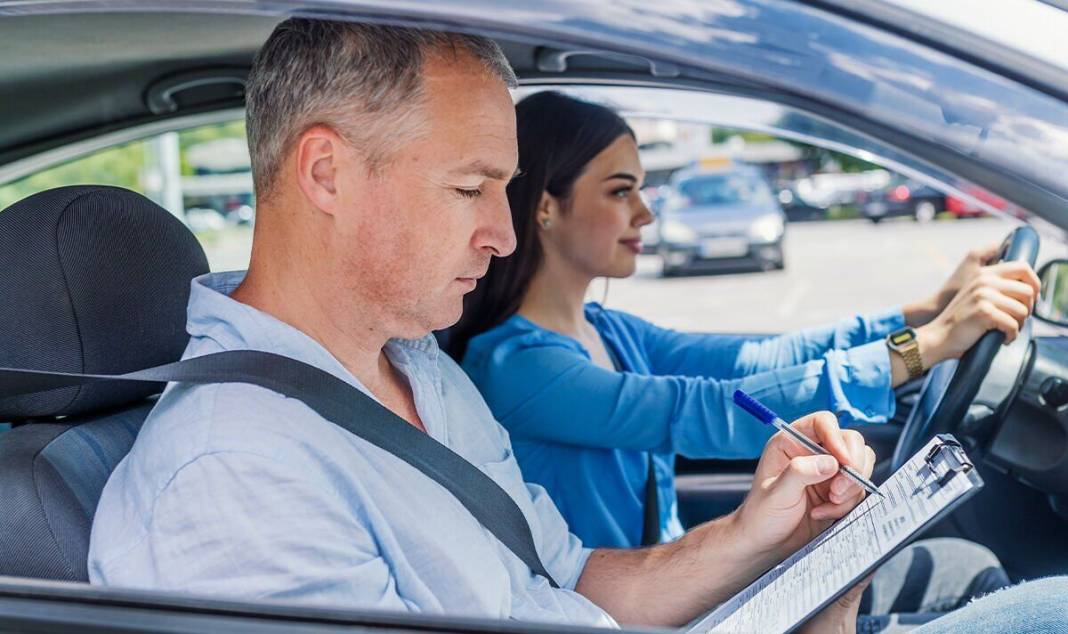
x=768, y=417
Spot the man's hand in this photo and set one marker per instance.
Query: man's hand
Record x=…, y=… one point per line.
x=925, y=310
x=999, y=297
x=796, y=495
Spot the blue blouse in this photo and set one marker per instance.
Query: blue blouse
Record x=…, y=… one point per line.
x=584, y=432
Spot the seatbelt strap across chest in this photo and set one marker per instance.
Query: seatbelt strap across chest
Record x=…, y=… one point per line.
x=340, y=403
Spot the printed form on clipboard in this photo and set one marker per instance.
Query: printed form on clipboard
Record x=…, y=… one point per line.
x=926, y=488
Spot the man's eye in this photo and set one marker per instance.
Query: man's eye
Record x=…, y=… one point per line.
x=468, y=193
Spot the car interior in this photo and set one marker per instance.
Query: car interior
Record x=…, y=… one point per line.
x=97, y=280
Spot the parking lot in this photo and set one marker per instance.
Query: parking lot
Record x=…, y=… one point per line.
x=833, y=269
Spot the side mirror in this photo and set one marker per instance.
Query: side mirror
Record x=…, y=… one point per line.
x=1052, y=304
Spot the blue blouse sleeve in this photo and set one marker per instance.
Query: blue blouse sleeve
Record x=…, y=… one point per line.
x=554, y=393
x=735, y=356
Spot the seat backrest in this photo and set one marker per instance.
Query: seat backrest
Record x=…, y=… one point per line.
x=96, y=279
x=51, y=478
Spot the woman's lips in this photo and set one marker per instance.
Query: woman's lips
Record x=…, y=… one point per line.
x=634, y=245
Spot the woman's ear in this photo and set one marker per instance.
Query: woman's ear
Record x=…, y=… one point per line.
x=548, y=211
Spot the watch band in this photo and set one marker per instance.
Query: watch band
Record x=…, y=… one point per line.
x=904, y=342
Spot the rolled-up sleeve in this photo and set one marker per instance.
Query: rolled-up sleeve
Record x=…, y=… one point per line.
x=734, y=356
x=555, y=393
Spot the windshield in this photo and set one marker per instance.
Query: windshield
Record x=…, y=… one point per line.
x=1033, y=27
x=719, y=189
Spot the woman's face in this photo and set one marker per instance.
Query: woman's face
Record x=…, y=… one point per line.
x=598, y=233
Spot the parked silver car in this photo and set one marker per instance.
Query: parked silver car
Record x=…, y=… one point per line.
x=721, y=218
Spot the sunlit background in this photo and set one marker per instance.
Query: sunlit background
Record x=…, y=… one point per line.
x=843, y=249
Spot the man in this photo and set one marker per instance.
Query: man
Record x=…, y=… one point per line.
x=380, y=157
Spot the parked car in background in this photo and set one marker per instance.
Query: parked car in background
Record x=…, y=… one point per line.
x=796, y=208
x=902, y=197
x=240, y=214
x=826, y=189
x=961, y=207
x=720, y=218
x=202, y=219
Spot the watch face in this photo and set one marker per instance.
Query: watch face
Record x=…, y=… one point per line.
x=902, y=337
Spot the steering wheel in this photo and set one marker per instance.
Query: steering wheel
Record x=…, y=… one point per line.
x=948, y=396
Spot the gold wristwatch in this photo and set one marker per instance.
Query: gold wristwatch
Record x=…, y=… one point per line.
x=905, y=344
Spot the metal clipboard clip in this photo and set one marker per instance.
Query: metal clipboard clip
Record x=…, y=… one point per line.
x=946, y=459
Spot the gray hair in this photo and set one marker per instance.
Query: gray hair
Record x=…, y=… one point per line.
x=363, y=80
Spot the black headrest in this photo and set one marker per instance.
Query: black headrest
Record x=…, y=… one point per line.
x=92, y=279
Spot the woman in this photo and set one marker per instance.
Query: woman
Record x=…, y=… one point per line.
x=598, y=402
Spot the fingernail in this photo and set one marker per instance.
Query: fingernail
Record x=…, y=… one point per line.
x=827, y=464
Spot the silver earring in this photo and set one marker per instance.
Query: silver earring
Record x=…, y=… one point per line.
x=546, y=223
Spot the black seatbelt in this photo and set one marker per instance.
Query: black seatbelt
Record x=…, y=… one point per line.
x=651, y=510
x=340, y=403
x=651, y=500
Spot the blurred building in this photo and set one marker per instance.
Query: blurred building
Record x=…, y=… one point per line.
x=221, y=179
x=667, y=146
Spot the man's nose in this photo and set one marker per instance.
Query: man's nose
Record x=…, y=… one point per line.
x=495, y=231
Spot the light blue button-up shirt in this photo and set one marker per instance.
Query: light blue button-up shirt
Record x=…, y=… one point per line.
x=235, y=491
x=585, y=433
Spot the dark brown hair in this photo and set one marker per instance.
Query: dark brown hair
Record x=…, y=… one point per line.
x=558, y=136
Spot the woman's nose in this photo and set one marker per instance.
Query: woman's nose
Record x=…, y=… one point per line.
x=643, y=215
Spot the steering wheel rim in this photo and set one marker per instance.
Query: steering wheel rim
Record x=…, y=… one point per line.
x=960, y=389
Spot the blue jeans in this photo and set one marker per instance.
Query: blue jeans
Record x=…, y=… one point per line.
x=925, y=581
x=1035, y=607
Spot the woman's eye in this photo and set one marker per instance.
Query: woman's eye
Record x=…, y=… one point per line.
x=622, y=192
x=468, y=193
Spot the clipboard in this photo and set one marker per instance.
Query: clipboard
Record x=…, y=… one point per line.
x=934, y=482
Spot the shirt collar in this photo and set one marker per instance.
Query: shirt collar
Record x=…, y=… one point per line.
x=212, y=314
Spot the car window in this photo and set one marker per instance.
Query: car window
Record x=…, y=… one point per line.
x=200, y=174
x=724, y=189
x=882, y=238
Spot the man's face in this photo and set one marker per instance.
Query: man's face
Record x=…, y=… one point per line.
x=428, y=223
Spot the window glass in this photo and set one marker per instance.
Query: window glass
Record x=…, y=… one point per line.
x=200, y=174
x=793, y=235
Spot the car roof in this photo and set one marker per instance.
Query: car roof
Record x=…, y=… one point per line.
x=699, y=171
x=100, y=66
x=971, y=110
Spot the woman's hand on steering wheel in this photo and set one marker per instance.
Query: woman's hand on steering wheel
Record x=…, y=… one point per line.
x=997, y=297
x=925, y=310
x=989, y=310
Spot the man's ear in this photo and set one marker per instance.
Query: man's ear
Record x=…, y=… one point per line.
x=319, y=156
